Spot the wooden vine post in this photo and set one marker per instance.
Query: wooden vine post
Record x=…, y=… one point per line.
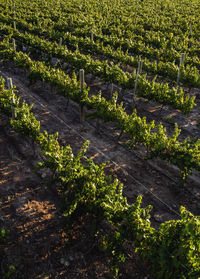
x=179, y=70
x=10, y=87
x=14, y=44
x=98, y=126
x=82, y=82
x=111, y=90
x=190, y=28
x=14, y=16
x=60, y=43
x=139, y=70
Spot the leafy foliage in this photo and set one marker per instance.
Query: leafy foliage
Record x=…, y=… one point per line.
x=185, y=154
x=173, y=251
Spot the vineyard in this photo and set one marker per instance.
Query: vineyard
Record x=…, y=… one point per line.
x=100, y=139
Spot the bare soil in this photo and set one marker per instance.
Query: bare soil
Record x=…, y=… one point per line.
x=39, y=246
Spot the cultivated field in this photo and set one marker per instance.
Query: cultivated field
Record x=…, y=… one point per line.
x=99, y=139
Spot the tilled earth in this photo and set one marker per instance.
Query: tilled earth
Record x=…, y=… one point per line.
x=38, y=245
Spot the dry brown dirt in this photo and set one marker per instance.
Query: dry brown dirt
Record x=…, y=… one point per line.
x=38, y=245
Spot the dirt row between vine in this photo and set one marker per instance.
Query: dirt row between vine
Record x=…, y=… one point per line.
x=190, y=124
x=56, y=116
x=150, y=109
x=39, y=242
x=38, y=245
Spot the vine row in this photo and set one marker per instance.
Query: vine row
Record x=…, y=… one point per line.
x=185, y=155
x=172, y=250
